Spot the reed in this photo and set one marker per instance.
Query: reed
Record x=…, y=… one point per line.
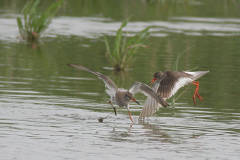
x=32, y=23
x=125, y=49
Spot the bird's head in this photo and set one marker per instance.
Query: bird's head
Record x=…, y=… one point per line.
x=157, y=76
x=128, y=96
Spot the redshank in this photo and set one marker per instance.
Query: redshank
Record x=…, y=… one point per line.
x=167, y=84
x=121, y=96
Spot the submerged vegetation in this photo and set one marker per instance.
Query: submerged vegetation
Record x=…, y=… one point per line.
x=32, y=23
x=125, y=49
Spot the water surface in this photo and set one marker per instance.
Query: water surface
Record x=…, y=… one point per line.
x=50, y=110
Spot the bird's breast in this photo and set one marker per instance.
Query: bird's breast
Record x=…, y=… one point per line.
x=119, y=100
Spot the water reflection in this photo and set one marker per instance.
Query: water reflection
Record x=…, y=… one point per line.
x=154, y=131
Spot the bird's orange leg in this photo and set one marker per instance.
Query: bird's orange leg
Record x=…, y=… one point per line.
x=130, y=116
x=113, y=108
x=196, y=92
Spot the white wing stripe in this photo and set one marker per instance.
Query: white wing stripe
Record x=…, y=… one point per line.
x=180, y=83
x=197, y=74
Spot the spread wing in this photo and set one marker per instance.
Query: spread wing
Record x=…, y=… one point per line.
x=151, y=105
x=146, y=90
x=172, y=81
x=108, y=82
x=197, y=74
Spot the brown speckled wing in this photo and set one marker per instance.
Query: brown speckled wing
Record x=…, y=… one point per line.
x=171, y=82
x=150, y=106
x=146, y=90
x=108, y=82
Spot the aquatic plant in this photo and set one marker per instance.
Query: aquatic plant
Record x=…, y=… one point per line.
x=125, y=49
x=31, y=24
x=175, y=67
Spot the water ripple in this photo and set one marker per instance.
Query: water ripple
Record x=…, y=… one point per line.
x=91, y=27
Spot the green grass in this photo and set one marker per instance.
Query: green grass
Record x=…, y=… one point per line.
x=175, y=67
x=31, y=24
x=125, y=49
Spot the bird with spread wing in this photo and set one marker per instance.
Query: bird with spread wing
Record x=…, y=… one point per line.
x=121, y=96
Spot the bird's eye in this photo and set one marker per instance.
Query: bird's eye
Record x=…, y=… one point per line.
x=127, y=97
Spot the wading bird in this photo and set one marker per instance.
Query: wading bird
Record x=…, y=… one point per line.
x=167, y=84
x=121, y=96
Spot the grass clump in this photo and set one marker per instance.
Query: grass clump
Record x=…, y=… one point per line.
x=125, y=49
x=32, y=23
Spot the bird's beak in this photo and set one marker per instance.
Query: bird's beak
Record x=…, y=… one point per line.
x=149, y=83
x=153, y=80
x=135, y=101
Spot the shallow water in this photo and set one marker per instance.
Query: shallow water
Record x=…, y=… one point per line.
x=51, y=111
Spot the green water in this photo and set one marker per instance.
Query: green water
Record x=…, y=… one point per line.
x=49, y=109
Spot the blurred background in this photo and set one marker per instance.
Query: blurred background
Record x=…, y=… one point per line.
x=49, y=109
